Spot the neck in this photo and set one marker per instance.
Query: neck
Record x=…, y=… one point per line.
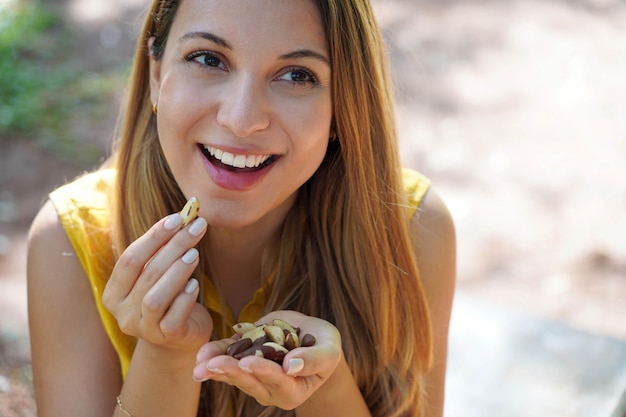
x=236, y=258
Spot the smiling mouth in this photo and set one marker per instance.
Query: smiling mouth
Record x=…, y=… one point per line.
x=237, y=163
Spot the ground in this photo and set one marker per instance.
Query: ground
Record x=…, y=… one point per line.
x=512, y=107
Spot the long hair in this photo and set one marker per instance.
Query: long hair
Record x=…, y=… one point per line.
x=344, y=253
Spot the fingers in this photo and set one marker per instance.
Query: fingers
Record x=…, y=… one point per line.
x=173, y=323
x=169, y=252
x=147, y=258
x=212, y=349
x=206, y=364
x=260, y=378
x=320, y=359
x=137, y=255
x=159, y=298
x=146, y=290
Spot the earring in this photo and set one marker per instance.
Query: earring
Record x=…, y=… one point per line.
x=154, y=109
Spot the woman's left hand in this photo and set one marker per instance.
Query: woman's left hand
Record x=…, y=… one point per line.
x=303, y=371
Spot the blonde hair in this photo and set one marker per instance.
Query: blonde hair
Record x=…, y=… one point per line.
x=345, y=253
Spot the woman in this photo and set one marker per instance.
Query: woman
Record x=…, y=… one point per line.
x=277, y=116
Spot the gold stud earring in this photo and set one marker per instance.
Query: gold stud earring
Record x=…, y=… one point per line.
x=154, y=109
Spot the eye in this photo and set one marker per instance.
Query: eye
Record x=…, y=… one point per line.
x=206, y=59
x=299, y=76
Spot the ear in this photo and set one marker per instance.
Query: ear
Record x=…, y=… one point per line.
x=155, y=74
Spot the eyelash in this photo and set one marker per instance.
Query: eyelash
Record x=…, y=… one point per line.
x=312, y=78
x=192, y=59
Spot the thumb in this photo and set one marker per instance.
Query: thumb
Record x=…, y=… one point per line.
x=293, y=366
x=315, y=360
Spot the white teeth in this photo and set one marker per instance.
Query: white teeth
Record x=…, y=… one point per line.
x=227, y=158
x=240, y=161
x=237, y=161
x=251, y=161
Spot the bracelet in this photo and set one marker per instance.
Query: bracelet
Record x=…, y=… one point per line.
x=121, y=407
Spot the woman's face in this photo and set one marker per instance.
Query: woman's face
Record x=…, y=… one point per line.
x=244, y=105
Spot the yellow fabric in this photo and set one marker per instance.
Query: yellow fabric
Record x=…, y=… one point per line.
x=84, y=209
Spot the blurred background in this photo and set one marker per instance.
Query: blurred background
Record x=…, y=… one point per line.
x=514, y=108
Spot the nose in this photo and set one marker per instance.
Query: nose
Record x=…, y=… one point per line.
x=244, y=108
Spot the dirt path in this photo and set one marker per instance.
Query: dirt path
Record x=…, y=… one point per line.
x=513, y=108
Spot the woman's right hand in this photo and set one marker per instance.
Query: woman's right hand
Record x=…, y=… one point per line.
x=150, y=293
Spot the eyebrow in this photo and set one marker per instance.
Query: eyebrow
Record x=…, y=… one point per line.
x=302, y=53
x=305, y=53
x=206, y=35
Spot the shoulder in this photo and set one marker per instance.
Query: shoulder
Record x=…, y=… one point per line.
x=54, y=273
x=47, y=230
x=93, y=190
x=434, y=239
x=432, y=222
x=69, y=218
x=49, y=248
x=71, y=233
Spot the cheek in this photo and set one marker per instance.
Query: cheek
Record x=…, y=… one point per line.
x=310, y=148
x=310, y=122
x=176, y=117
x=316, y=133
x=174, y=99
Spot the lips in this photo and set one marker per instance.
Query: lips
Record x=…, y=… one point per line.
x=236, y=172
x=236, y=162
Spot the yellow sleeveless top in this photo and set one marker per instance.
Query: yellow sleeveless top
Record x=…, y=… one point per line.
x=84, y=209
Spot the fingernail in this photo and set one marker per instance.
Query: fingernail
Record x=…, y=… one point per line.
x=197, y=226
x=199, y=374
x=198, y=379
x=173, y=221
x=190, y=256
x=295, y=365
x=215, y=370
x=245, y=368
x=191, y=286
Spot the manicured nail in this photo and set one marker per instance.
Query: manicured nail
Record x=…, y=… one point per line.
x=245, y=368
x=191, y=286
x=190, y=256
x=215, y=370
x=197, y=226
x=198, y=374
x=295, y=365
x=174, y=221
x=198, y=379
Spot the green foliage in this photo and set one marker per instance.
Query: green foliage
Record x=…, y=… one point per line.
x=21, y=81
x=43, y=94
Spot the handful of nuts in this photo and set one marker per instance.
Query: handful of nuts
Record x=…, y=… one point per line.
x=270, y=341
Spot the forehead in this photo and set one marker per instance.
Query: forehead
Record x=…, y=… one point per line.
x=279, y=23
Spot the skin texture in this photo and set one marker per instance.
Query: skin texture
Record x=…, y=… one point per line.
x=244, y=101
x=247, y=89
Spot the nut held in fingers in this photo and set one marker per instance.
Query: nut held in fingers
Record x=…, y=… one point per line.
x=190, y=211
